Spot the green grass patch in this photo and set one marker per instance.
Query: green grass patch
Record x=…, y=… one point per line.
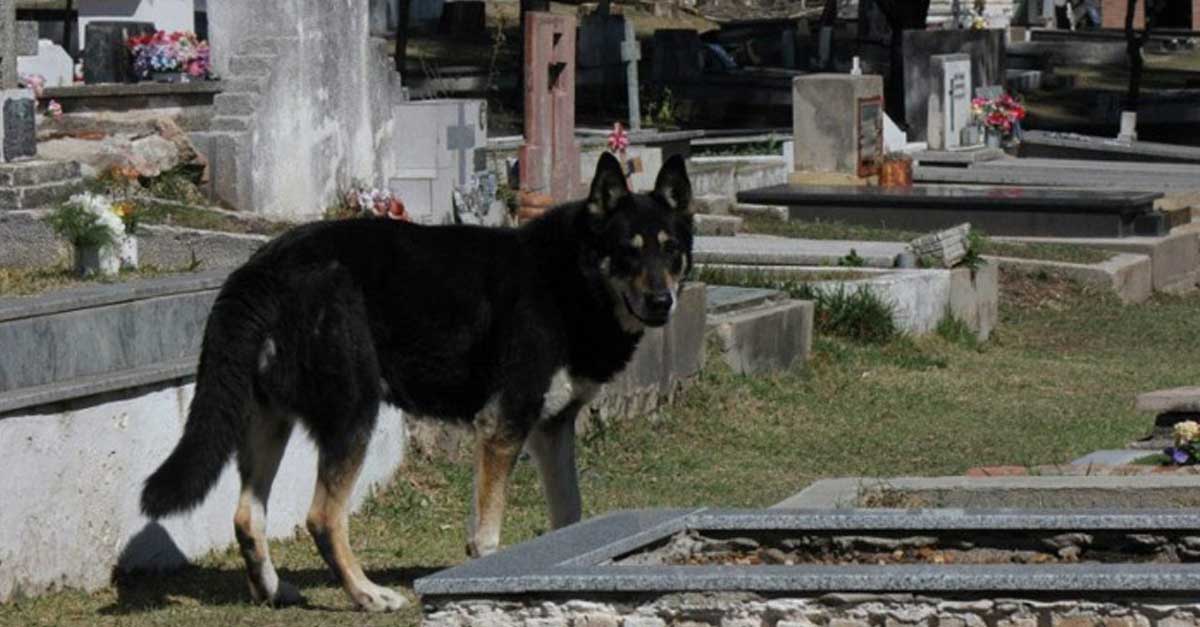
x=1068, y=253
x=1155, y=459
x=1056, y=382
x=172, y=213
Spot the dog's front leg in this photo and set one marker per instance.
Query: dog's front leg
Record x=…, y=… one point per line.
x=495, y=455
x=552, y=445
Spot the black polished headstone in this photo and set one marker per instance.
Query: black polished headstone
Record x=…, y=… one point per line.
x=106, y=58
x=20, y=128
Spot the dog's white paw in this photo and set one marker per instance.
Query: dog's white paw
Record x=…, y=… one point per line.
x=373, y=598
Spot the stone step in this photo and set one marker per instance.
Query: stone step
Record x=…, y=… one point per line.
x=36, y=172
x=39, y=196
x=717, y=225
x=231, y=104
x=711, y=204
x=770, y=212
x=230, y=123
x=251, y=65
x=244, y=85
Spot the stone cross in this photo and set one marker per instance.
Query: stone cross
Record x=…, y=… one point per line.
x=631, y=53
x=550, y=155
x=460, y=139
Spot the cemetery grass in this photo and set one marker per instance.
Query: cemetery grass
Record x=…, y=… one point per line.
x=34, y=281
x=1057, y=381
x=851, y=232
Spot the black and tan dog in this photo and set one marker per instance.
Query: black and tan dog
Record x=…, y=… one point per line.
x=511, y=329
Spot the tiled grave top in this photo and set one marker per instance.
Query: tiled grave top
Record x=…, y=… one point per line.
x=576, y=559
x=954, y=197
x=1176, y=400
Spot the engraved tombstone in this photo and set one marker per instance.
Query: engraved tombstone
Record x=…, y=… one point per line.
x=949, y=102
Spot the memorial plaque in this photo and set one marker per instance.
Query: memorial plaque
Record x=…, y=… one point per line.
x=870, y=135
x=20, y=140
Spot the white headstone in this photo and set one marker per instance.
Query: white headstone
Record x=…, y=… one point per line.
x=950, y=100
x=52, y=63
x=894, y=139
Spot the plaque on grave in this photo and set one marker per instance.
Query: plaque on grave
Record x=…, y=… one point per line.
x=106, y=59
x=19, y=135
x=870, y=135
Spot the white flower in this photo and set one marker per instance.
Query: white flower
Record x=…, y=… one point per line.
x=1186, y=431
x=102, y=208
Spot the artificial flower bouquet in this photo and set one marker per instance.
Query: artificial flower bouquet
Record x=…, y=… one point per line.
x=163, y=52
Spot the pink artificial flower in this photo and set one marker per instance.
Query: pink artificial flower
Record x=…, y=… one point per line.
x=618, y=139
x=54, y=110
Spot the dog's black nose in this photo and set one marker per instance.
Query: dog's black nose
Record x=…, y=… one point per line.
x=659, y=304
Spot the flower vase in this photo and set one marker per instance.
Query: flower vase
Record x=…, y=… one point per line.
x=994, y=138
x=94, y=260
x=128, y=253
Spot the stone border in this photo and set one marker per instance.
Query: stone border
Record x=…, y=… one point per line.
x=1137, y=490
x=575, y=560
x=1175, y=257
x=1129, y=276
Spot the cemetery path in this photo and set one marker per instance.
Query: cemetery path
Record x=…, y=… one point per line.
x=1057, y=381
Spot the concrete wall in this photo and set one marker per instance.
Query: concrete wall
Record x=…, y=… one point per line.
x=324, y=118
x=73, y=475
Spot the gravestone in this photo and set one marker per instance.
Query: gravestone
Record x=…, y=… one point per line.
x=950, y=102
x=106, y=58
x=8, y=44
x=18, y=139
x=463, y=18
x=51, y=62
x=168, y=15
x=986, y=49
x=442, y=174
x=837, y=122
x=599, y=50
x=550, y=155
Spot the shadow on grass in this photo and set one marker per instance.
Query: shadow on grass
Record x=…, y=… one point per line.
x=147, y=591
x=144, y=583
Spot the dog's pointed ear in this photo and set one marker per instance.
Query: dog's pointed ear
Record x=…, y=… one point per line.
x=673, y=186
x=608, y=186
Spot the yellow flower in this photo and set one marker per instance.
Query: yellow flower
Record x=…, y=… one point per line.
x=1186, y=431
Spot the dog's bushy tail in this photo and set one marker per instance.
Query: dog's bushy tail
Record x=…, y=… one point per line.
x=234, y=338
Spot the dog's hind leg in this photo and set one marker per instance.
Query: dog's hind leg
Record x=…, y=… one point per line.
x=258, y=461
x=328, y=522
x=495, y=455
x=552, y=445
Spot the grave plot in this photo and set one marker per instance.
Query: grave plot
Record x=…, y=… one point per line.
x=971, y=566
x=1052, y=145
x=998, y=211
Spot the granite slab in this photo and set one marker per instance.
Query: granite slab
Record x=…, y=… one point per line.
x=1011, y=210
x=578, y=558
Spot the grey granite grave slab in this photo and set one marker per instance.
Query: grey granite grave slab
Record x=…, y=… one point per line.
x=578, y=558
x=958, y=157
x=1109, y=457
x=1074, y=146
x=26, y=38
x=1030, y=211
x=74, y=334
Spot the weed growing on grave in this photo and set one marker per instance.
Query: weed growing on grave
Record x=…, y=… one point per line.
x=857, y=314
x=852, y=260
x=954, y=330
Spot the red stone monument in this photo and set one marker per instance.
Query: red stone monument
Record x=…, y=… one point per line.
x=550, y=155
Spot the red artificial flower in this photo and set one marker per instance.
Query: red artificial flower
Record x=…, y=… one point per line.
x=618, y=139
x=396, y=210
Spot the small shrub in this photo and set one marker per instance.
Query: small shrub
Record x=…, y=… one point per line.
x=858, y=315
x=852, y=260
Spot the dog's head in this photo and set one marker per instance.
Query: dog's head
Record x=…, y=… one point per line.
x=642, y=244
